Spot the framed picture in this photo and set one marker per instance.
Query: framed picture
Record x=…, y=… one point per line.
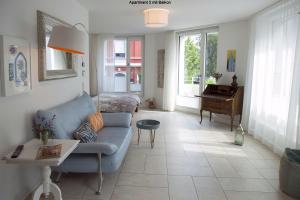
x=160, y=68
x=231, y=60
x=14, y=66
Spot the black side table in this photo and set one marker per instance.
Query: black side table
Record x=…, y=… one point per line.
x=148, y=124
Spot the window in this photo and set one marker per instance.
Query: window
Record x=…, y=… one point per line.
x=123, y=65
x=197, y=59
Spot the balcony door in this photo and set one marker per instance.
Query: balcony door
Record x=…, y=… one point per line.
x=123, y=65
x=197, y=62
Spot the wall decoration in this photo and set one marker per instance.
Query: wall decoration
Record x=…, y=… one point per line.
x=231, y=60
x=14, y=65
x=160, y=68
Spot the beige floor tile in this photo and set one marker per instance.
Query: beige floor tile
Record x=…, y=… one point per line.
x=143, y=180
x=222, y=167
x=244, y=168
x=274, y=183
x=191, y=161
x=72, y=185
x=91, y=183
x=269, y=173
x=208, y=188
x=190, y=171
x=139, y=193
x=233, y=195
x=265, y=164
x=156, y=165
x=247, y=185
x=134, y=163
x=182, y=188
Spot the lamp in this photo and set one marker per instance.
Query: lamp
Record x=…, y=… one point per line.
x=67, y=39
x=71, y=40
x=156, y=17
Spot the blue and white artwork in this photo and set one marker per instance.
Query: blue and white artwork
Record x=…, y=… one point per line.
x=15, y=62
x=11, y=72
x=21, y=69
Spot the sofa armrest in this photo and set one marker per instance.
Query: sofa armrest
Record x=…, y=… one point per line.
x=102, y=147
x=119, y=119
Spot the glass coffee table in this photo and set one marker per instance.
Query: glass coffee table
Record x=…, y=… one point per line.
x=148, y=124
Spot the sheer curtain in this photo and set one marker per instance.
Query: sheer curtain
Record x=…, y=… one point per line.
x=102, y=61
x=271, y=107
x=170, y=73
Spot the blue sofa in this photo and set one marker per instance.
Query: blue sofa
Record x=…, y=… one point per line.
x=103, y=156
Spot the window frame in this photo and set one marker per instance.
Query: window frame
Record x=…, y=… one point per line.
x=128, y=38
x=204, y=32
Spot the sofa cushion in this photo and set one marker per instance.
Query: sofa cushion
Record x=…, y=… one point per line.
x=96, y=121
x=101, y=147
x=120, y=119
x=85, y=133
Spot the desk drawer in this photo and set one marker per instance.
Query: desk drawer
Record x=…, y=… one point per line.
x=215, y=105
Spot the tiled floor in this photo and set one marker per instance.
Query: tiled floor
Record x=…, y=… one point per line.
x=189, y=162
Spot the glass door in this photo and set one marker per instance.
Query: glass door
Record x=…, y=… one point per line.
x=123, y=64
x=197, y=63
x=135, y=64
x=190, y=62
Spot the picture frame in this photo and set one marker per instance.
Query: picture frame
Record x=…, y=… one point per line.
x=160, y=68
x=231, y=60
x=15, y=69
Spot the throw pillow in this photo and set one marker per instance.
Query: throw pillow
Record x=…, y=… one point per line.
x=85, y=133
x=96, y=121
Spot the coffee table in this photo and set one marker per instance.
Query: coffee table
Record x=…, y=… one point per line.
x=148, y=124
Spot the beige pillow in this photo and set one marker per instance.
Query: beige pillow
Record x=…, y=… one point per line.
x=96, y=121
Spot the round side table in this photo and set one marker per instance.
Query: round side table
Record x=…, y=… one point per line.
x=148, y=124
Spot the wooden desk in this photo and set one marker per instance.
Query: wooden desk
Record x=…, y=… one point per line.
x=28, y=156
x=222, y=99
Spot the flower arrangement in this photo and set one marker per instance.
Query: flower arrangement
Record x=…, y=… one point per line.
x=43, y=127
x=217, y=75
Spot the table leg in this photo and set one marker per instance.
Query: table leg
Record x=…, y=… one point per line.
x=210, y=116
x=201, y=116
x=139, y=135
x=231, y=123
x=151, y=138
x=47, y=186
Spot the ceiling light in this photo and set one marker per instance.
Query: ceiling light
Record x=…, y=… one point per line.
x=156, y=17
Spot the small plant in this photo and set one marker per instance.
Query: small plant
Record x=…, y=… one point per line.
x=42, y=125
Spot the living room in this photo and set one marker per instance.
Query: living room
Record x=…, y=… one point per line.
x=150, y=99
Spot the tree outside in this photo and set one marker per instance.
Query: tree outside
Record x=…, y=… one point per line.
x=191, y=59
x=211, y=55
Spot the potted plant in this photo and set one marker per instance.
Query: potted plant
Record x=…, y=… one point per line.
x=43, y=128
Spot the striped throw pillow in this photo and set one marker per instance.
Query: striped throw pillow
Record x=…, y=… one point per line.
x=85, y=133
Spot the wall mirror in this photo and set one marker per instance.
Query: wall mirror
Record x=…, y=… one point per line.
x=53, y=64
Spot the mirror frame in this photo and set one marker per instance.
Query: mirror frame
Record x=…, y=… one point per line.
x=44, y=19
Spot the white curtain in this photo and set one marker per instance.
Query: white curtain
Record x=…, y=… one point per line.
x=102, y=59
x=170, y=73
x=271, y=107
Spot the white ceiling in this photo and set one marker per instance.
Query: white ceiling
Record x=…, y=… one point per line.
x=118, y=16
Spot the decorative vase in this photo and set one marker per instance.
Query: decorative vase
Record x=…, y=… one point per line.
x=44, y=135
x=239, y=136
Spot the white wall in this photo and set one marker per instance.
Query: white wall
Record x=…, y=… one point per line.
x=18, y=18
x=153, y=42
x=234, y=35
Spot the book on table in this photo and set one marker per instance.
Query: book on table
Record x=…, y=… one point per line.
x=46, y=152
